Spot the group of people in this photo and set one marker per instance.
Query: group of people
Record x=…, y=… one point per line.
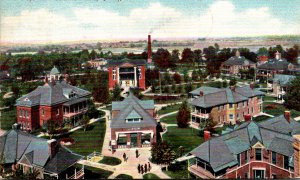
x=144, y=168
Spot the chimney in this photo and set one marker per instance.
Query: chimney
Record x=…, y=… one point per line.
x=52, y=145
x=232, y=88
x=252, y=85
x=149, y=50
x=16, y=126
x=247, y=117
x=237, y=53
x=278, y=55
x=206, y=135
x=287, y=115
x=201, y=93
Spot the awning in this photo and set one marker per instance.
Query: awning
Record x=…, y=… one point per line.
x=75, y=101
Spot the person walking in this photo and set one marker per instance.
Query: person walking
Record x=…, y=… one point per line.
x=149, y=166
x=139, y=168
x=146, y=169
x=142, y=169
x=124, y=157
x=136, y=153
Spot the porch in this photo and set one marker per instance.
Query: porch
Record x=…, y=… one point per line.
x=200, y=169
x=133, y=139
x=74, y=110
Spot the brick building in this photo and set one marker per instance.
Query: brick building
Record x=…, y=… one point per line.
x=225, y=105
x=127, y=73
x=55, y=100
x=269, y=149
x=236, y=63
x=133, y=123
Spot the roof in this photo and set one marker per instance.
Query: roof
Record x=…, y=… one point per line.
x=283, y=79
x=54, y=71
x=238, y=60
x=275, y=134
x=205, y=90
x=18, y=146
x=217, y=97
x=51, y=94
x=275, y=64
x=132, y=107
x=136, y=62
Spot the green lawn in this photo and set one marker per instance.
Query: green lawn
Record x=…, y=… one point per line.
x=7, y=118
x=169, y=109
x=169, y=119
x=150, y=176
x=187, y=137
x=277, y=109
x=110, y=161
x=124, y=176
x=269, y=98
x=95, y=173
x=178, y=171
x=89, y=141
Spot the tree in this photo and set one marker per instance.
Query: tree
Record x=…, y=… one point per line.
x=195, y=75
x=186, y=77
x=93, y=54
x=51, y=127
x=175, y=56
x=292, y=97
x=188, y=88
x=232, y=82
x=187, y=56
x=177, y=78
x=161, y=153
x=85, y=122
x=184, y=115
x=162, y=59
x=116, y=93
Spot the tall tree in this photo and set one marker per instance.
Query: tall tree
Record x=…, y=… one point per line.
x=177, y=78
x=161, y=153
x=187, y=56
x=116, y=93
x=162, y=59
x=175, y=56
x=292, y=97
x=184, y=115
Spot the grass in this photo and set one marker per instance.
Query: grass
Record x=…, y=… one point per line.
x=7, y=118
x=150, y=176
x=187, y=137
x=89, y=141
x=124, y=176
x=278, y=109
x=168, y=109
x=269, y=98
x=110, y=161
x=169, y=119
x=96, y=173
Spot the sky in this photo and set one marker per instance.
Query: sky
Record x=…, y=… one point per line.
x=35, y=21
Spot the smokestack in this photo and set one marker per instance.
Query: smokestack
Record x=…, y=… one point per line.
x=52, y=145
x=247, y=117
x=206, y=135
x=149, y=50
x=287, y=115
x=201, y=93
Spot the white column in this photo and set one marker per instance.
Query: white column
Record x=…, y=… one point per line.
x=118, y=75
x=135, y=80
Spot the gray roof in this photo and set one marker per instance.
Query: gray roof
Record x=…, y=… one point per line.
x=283, y=79
x=17, y=146
x=217, y=97
x=275, y=64
x=136, y=62
x=275, y=134
x=132, y=106
x=238, y=60
x=51, y=94
x=54, y=71
x=205, y=90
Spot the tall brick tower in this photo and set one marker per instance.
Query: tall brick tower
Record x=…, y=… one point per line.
x=149, y=60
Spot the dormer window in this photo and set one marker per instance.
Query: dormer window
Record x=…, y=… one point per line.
x=258, y=154
x=134, y=120
x=26, y=99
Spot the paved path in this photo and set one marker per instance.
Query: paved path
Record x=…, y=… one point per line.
x=159, y=106
x=168, y=114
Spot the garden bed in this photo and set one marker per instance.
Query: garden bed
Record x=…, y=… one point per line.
x=110, y=161
x=150, y=176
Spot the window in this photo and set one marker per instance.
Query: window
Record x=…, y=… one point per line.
x=230, y=106
x=140, y=74
x=238, y=158
x=43, y=112
x=114, y=77
x=259, y=174
x=133, y=120
x=230, y=116
x=27, y=114
x=273, y=157
x=246, y=156
x=258, y=154
x=246, y=176
x=57, y=112
x=286, y=162
x=20, y=113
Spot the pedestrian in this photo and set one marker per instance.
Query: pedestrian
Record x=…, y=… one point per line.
x=142, y=169
x=149, y=166
x=136, y=153
x=146, y=169
x=124, y=157
x=139, y=168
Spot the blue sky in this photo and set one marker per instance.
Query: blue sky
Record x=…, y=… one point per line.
x=70, y=20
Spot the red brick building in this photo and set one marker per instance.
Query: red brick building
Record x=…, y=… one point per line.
x=133, y=123
x=269, y=149
x=55, y=100
x=127, y=73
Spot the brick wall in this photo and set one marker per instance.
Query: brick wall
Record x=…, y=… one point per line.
x=142, y=84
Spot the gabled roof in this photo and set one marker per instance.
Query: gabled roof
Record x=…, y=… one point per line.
x=238, y=60
x=220, y=152
x=18, y=146
x=283, y=79
x=136, y=62
x=205, y=90
x=51, y=94
x=132, y=107
x=275, y=64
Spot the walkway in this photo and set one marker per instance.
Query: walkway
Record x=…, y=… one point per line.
x=168, y=114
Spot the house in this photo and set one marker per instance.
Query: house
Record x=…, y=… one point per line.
x=133, y=124
x=225, y=105
x=280, y=83
x=56, y=100
x=278, y=65
x=236, y=63
x=21, y=150
x=127, y=73
x=269, y=149
x=99, y=63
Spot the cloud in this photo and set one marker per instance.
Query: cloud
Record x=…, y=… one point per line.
x=220, y=19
